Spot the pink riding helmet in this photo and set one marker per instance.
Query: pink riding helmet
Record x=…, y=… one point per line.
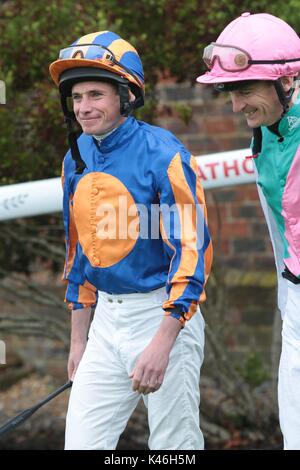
x=264, y=37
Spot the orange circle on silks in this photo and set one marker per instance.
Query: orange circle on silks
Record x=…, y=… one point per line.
x=106, y=219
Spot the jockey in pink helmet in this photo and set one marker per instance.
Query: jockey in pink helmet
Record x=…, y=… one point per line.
x=257, y=59
x=253, y=47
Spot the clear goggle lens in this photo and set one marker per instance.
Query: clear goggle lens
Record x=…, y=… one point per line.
x=230, y=58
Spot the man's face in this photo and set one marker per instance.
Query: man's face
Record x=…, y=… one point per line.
x=96, y=106
x=259, y=103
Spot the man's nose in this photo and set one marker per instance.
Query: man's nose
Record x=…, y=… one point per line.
x=85, y=105
x=238, y=103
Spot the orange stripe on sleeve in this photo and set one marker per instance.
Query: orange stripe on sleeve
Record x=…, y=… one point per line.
x=208, y=256
x=73, y=238
x=189, y=256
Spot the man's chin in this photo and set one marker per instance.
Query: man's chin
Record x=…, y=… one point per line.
x=88, y=132
x=92, y=130
x=252, y=125
x=254, y=122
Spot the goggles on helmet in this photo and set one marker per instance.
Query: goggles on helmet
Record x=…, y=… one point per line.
x=234, y=59
x=94, y=52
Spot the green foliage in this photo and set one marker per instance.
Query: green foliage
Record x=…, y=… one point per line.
x=253, y=370
x=36, y=241
x=169, y=34
x=184, y=111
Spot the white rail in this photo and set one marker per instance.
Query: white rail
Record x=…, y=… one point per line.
x=45, y=196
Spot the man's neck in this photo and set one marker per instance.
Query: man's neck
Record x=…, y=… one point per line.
x=100, y=137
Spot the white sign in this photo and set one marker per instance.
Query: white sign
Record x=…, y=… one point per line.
x=226, y=168
x=45, y=196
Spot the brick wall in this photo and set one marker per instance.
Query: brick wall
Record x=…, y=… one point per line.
x=236, y=221
x=242, y=248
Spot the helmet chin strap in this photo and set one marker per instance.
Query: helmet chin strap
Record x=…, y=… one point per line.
x=126, y=106
x=283, y=96
x=72, y=140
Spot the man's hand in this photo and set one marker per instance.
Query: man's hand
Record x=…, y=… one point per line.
x=148, y=373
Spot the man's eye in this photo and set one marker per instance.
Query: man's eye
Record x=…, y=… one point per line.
x=75, y=97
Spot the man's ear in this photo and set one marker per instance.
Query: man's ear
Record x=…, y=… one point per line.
x=287, y=83
x=131, y=96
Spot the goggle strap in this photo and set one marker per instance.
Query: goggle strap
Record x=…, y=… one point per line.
x=277, y=61
x=125, y=105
